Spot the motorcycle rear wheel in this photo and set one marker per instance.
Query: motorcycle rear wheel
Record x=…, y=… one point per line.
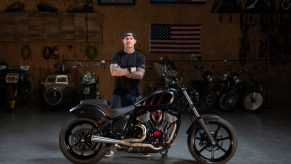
x=75, y=141
x=225, y=139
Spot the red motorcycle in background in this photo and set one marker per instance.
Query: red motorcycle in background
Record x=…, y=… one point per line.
x=150, y=125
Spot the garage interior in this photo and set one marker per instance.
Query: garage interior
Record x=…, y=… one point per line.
x=49, y=35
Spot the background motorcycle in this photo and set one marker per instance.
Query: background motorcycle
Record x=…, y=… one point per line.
x=14, y=85
x=151, y=126
x=57, y=90
x=200, y=91
x=89, y=81
x=254, y=93
x=226, y=89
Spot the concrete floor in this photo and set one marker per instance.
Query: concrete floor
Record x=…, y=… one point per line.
x=30, y=136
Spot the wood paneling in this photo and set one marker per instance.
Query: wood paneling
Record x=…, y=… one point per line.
x=61, y=29
x=52, y=27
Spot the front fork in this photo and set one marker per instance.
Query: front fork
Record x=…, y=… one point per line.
x=201, y=121
x=11, y=96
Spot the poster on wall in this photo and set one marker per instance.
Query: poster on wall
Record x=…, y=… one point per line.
x=177, y=1
x=175, y=38
x=116, y=2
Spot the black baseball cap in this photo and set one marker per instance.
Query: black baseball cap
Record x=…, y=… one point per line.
x=125, y=34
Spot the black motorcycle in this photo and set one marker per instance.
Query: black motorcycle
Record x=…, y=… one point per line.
x=201, y=92
x=254, y=93
x=150, y=125
x=89, y=81
x=14, y=85
x=226, y=89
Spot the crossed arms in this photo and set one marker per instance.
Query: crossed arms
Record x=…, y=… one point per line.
x=132, y=73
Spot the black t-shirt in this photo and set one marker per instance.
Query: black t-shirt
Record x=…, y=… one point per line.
x=124, y=85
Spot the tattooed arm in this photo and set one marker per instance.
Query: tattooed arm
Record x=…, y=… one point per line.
x=138, y=74
x=116, y=70
x=134, y=73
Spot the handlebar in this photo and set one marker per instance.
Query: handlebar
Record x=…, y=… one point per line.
x=84, y=66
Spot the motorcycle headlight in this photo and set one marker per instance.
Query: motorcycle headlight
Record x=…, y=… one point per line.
x=209, y=78
x=225, y=76
x=236, y=79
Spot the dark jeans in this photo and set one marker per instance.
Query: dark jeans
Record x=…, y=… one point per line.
x=119, y=101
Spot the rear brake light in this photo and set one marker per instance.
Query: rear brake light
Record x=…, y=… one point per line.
x=12, y=78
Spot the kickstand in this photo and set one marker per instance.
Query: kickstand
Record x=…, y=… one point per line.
x=114, y=148
x=164, y=155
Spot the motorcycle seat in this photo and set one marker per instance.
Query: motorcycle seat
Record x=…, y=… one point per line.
x=104, y=106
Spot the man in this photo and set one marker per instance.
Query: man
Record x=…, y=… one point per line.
x=128, y=68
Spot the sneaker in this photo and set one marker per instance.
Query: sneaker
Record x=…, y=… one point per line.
x=145, y=155
x=109, y=154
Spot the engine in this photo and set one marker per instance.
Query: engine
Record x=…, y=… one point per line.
x=161, y=127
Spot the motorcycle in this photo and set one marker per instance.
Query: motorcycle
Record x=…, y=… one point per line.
x=14, y=85
x=89, y=81
x=254, y=94
x=200, y=92
x=226, y=89
x=150, y=125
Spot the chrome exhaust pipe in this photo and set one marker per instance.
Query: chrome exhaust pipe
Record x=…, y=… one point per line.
x=123, y=142
x=132, y=142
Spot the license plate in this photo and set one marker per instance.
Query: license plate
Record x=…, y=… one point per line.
x=12, y=78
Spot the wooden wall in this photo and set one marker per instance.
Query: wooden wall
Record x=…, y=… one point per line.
x=219, y=39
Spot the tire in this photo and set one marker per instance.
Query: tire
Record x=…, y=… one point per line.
x=253, y=101
x=10, y=98
x=53, y=96
x=268, y=102
x=228, y=100
x=224, y=136
x=75, y=141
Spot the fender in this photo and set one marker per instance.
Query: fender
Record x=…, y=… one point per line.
x=205, y=117
x=88, y=111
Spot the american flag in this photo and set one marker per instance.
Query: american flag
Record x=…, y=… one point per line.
x=175, y=38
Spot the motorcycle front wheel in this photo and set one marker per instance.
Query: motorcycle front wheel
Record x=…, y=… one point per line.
x=228, y=100
x=75, y=141
x=225, y=139
x=53, y=96
x=11, y=94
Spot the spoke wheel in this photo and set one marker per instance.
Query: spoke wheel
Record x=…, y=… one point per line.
x=228, y=100
x=225, y=139
x=253, y=101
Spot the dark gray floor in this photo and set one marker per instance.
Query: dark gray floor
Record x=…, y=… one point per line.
x=30, y=136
